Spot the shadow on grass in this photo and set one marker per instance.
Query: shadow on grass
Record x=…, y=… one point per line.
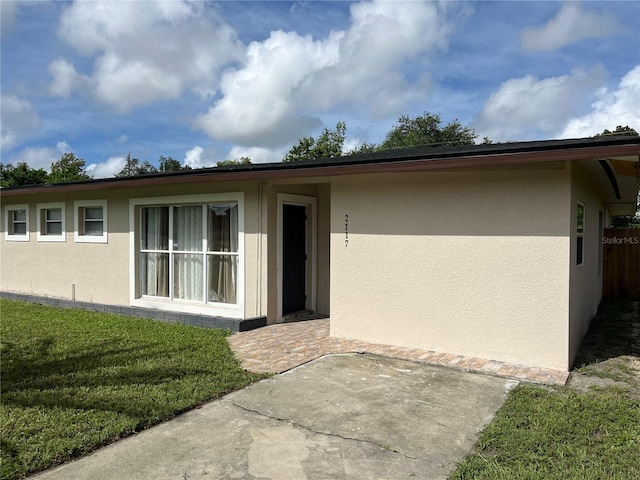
x=103, y=376
x=73, y=381
x=614, y=332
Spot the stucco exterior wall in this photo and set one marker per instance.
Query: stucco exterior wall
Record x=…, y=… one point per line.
x=586, y=279
x=101, y=272
x=465, y=262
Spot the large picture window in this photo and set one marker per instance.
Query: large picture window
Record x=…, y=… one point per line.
x=190, y=253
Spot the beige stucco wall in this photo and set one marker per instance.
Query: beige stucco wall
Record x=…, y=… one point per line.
x=465, y=262
x=101, y=272
x=586, y=279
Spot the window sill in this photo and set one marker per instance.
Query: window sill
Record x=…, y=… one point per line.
x=90, y=239
x=52, y=238
x=16, y=238
x=183, y=306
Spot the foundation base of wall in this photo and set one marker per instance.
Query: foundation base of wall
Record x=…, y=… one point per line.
x=206, y=321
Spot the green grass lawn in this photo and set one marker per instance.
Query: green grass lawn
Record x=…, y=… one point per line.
x=74, y=380
x=559, y=434
x=572, y=432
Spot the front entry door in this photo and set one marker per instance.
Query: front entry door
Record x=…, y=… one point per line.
x=294, y=258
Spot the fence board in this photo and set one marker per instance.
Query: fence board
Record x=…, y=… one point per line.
x=621, y=263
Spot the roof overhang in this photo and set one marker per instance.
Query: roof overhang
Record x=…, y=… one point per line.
x=622, y=154
x=623, y=174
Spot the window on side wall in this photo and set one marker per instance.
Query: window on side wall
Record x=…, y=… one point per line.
x=580, y=216
x=601, y=234
x=51, y=222
x=16, y=223
x=90, y=219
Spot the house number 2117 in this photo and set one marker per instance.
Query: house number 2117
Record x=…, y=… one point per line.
x=346, y=230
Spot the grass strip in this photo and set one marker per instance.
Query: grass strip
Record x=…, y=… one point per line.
x=74, y=380
x=542, y=433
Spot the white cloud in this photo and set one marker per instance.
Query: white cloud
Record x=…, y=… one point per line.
x=257, y=154
x=106, y=169
x=528, y=107
x=613, y=108
x=198, y=158
x=264, y=101
x=144, y=51
x=17, y=119
x=65, y=78
x=41, y=157
x=570, y=25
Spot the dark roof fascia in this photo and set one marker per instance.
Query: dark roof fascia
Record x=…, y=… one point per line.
x=401, y=160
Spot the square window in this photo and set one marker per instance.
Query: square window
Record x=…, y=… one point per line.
x=51, y=222
x=16, y=223
x=90, y=221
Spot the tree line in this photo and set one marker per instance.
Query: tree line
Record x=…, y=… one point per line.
x=426, y=130
x=71, y=168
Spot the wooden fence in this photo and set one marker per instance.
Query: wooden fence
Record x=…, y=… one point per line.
x=621, y=263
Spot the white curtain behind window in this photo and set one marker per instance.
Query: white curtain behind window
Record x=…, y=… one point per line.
x=187, y=267
x=223, y=237
x=155, y=265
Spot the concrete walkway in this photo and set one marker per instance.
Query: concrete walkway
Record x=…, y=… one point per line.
x=280, y=347
x=337, y=417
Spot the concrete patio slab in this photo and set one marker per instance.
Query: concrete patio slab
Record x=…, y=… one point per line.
x=338, y=417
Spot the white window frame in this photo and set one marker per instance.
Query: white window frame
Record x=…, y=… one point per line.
x=8, y=222
x=78, y=222
x=42, y=235
x=177, y=305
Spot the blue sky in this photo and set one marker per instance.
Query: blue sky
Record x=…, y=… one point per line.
x=204, y=81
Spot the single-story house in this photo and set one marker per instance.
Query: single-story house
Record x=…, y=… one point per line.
x=490, y=251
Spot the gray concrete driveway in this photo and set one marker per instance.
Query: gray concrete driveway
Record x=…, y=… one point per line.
x=338, y=417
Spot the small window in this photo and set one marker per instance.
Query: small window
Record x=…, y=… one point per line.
x=51, y=224
x=580, y=234
x=601, y=233
x=16, y=223
x=90, y=221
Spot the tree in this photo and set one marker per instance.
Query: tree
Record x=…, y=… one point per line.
x=133, y=168
x=168, y=164
x=427, y=130
x=625, y=221
x=237, y=161
x=328, y=145
x=619, y=131
x=68, y=169
x=21, y=174
x=364, y=148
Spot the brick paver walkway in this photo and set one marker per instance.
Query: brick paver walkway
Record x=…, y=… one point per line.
x=283, y=346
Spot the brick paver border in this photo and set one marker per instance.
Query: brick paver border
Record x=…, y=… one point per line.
x=281, y=347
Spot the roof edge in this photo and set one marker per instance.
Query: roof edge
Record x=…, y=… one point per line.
x=410, y=159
